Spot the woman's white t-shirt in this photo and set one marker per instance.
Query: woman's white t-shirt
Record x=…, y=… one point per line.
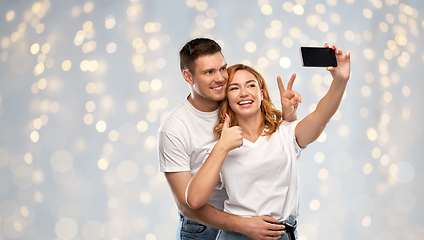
x=261, y=178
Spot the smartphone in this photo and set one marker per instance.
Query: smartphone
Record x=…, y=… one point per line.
x=318, y=57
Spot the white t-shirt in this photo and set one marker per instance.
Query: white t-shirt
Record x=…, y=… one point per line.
x=183, y=141
x=261, y=178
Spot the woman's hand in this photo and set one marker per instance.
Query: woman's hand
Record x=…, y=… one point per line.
x=342, y=71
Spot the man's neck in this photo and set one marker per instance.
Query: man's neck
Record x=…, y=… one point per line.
x=202, y=104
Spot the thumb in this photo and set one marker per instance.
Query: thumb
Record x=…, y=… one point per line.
x=226, y=122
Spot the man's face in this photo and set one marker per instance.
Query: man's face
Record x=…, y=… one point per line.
x=209, y=80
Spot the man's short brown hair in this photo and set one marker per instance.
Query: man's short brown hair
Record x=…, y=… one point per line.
x=194, y=49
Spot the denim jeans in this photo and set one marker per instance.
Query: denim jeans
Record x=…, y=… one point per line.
x=227, y=235
x=191, y=230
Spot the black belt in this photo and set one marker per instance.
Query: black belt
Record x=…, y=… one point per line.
x=289, y=229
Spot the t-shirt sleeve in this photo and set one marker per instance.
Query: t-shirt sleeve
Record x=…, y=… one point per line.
x=291, y=130
x=173, y=156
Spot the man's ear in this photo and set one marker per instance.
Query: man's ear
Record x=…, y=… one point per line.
x=188, y=76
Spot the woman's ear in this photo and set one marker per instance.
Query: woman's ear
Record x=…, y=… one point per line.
x=262, y=94
x=188, y=77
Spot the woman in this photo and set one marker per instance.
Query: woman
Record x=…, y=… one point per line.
x=255, y=158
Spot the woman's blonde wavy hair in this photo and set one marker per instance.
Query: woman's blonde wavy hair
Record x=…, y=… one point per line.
x=271, y=116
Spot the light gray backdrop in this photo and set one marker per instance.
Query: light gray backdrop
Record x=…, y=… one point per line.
x=85, y=85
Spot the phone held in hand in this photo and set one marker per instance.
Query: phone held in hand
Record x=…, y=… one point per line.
x=318, y=57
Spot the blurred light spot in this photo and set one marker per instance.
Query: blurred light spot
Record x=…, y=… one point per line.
x=154, y=44
x=35, y=48
x=90, y=87
x=142, y=126
x=369, y=53
x=322, y=137
x=201, y=6
x=295, y=32
x=313, y=20
x=92, y=230
x=111, y=47
x=298, y=9
x=88, y=7
x=145, y=197
x=250, y=47
x=37, y=123
x=24, y=211
x=101, y=126
x=209, y=23
x=343, y=131
x=151, y=142
x=384, y=27
x=27, y=158
x=112, y=203
x=110, y=22
x=288, y=6
x=366, y=221
x=133, y=10
x=285, y=62
x=314, y=205
x=376, y=153
x=39, y=69
x=156, y=84
x=263, y=62
x=66, y=228
x=406, y=113
x=402, y=172
x=61, y=161
x=385, y=81
x=108, y=148
x=113, y=135
x=88, y=119
x=34, y=136
x=266, y=9
x=45, y=48
x=128, y=133
x=371, y=134
x=90, y=106
x=37, y=176
x=10, y=15
x=320, y=8
x=332, y=2
x=152, y=116
x=93, y=66
x=387, y=97
x=149, y=169
x=288, y=42
x=384, y=160
x=102, y=164
x=132, y=106
x=323, y=26
x=39, y=28
x=385, y=118
x=4, y=56
x=127, y=171
x=341, y=162
x=367, y=169
x=366, y=91
x=270, y=33
x=54, y=107
x=66, y=65
x=367, y=13
x=406, y=91
x=276, y=25
x=38, y=197
x=319, y=157
x=272, y=54
x=323, y=174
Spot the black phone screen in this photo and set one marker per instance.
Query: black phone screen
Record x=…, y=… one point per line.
x=318, y=57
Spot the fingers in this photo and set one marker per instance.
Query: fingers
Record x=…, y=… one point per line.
x=347, y=54
x=280, y=85
x=291, y=81
x=226, y=122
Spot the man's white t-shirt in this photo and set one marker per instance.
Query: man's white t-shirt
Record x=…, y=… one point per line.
x=183, y=141
x=261, y=178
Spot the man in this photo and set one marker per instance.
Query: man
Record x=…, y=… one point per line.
x=187, y=131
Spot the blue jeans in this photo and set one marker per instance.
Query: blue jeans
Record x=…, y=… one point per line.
x=191, y=230
x=227, y=235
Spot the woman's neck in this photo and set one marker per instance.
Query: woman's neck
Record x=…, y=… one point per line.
x=252, y=127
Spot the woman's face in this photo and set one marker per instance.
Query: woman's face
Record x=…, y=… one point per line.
x=244, y=94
